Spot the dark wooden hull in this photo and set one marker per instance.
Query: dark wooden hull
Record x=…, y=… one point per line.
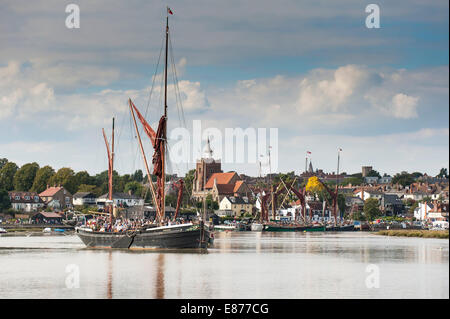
x=341, y=228
x=281, y=228
x=193, y=237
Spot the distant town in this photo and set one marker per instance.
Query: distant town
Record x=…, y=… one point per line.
x=33, y=194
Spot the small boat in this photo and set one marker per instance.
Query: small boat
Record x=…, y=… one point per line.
x=47, y=230
x=59, y=230
x=257, y=227
x=224, y=227
x=3, y=231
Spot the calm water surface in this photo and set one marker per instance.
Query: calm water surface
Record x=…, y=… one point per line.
x=241, y=265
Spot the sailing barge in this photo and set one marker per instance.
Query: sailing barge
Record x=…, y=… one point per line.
x=161, y=236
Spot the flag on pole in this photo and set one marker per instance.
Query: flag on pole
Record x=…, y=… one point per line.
x=308, y=152
x=169, y=11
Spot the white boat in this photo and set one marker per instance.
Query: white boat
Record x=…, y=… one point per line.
x=257, y=227
x=3, y=231
x=47, y=230
x=224, y=227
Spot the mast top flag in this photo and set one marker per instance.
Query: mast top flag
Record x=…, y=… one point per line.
x=169, y=11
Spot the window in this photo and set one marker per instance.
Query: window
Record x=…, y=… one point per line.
x=17, y=197
x=27, y=197
x=36, y=199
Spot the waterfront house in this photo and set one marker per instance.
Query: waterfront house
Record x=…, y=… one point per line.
x=391, y=205
x=234, y=206
x=353, y=204
x=84, y=199
x=289, y=213
x=59, y=193
x=120, y=200
x=25, y=201
x=318, y=210
x=432, y=211
x=47, y=218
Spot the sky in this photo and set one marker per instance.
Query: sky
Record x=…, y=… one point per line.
x=310, y=69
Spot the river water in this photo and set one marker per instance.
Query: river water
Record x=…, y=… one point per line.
x=241, y=265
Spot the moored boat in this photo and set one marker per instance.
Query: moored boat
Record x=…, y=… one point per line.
x=315, y=228
x=283, y=228
x=176, y=236
x=161, y=236
x=257, y=227
x=340, y=228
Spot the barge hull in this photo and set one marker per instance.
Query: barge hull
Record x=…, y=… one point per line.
x=147, y=239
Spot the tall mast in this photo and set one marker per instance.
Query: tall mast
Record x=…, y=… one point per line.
x=111, y=173
x=164, y=141
x=337, y=176
x=110, y=168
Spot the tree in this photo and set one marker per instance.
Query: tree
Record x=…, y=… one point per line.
x=314, y=185
x=416, y=175
x=7, y=176
x=412, y=208
x=371, y=208
x=210, y=203
x=443, y=173
x=5, y=203
x=89, y=189
x=355, y=181
x=373, y=173
x=341, y=203
x=3, y=162
x=65, y=177
x=83, y=177
x=41, y=179
x=24, y=177
x=188, y=184
x=138, y=176
x=171, y=200
x=135, y=188
x=404, y=179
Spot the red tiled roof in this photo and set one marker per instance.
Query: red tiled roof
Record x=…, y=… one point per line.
x=222, y=178
x=50, y=191
x=237, y=185
x=225, y=189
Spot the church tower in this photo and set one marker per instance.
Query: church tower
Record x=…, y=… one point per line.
x=205, y=167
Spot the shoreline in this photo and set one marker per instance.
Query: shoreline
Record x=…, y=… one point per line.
x=440, y=234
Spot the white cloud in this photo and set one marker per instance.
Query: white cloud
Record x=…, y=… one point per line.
x=404, y=106
x=328, y=91
x=24, y=96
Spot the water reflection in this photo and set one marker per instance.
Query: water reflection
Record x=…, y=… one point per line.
x=160, y=277
x=109, y=292
x=241, y=265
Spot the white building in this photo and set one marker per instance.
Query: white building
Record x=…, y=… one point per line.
x=121, y=200
x=365, y=195
x=84, y=198
x=432, y=212
x=26, y=201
